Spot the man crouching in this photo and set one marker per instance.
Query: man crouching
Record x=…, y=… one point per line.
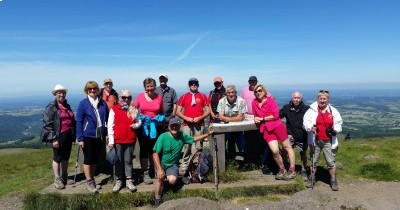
x=167, y=152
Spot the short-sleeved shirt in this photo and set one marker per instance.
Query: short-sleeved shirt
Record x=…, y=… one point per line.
x=248, y=96
x=196, y=110
x=170, y=148
x=149, y=108
x=169, y=99
x=232, y=110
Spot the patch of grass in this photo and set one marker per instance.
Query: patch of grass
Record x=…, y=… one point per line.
x=231, y=174
x=355, y=157
x=25, y=170
x=34, y=201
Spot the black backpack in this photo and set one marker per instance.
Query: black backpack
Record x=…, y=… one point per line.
x=199, y=165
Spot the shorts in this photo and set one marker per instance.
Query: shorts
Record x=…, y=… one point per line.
x=326, y=148
x=300, y=146
x=63, y=152
x=279, y=134
x=171, y=170
x=91, y=150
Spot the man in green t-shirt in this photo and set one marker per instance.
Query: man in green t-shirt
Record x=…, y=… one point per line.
x=167, y=152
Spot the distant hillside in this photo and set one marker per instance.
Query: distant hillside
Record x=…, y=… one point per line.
x=364, y=115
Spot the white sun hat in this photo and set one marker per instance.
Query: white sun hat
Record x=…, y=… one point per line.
x=57, y=88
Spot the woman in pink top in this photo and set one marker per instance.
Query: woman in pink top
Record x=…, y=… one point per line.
x=150, y=104
x=266, y=116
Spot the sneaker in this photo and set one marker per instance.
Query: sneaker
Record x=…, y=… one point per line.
x=130, y=185
x=146, y=178
x=157, y=202
x=290, y=175
x=58, y=183
x=91, y=187
x=304, y=174
x=117, y=187
x=281, y=175
x=334, y=185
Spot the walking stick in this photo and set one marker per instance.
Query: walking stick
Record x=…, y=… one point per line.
x=215, y=165
x=76, y=163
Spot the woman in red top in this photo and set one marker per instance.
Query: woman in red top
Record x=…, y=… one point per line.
x=266, y=116
x=123, y=123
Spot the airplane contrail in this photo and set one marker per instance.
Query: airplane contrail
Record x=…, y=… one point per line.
x=187, y=51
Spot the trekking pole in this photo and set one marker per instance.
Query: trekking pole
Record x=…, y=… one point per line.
x=215, y=165
x=76, y=163
x=313, y=164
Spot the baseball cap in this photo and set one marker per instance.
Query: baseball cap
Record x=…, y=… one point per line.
x=163, y=75
x=174, y=120
x=108, y=80
x=253, y=78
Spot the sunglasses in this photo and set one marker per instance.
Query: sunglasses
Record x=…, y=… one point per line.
x=93, y=88
x=258, y=91
x=126, y=97
x=217, y=83
x=193, y=84
x=175, y=126
x=324, y=91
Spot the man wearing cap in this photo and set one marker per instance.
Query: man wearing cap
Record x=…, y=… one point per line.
x=167, y=153
x=193, y=108
x=217, y=93
x=169, y=98
x=108, y=94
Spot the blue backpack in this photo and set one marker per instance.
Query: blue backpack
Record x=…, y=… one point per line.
x=199, y=165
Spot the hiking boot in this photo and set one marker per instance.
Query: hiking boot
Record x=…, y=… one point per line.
x=310, y=183
x=157, y=202
x=117, y=187
x=91, y=187
x=146, y=178
x=334, y=185
x=281, y=175
x=290, y=175
x=304, y=174
x=66, y=181
x=130, y=185
x=265, y=170
x=58, y=183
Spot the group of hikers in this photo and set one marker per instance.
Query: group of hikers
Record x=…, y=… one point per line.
x=171, y=129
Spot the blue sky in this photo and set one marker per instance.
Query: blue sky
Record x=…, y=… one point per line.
x=286, y=44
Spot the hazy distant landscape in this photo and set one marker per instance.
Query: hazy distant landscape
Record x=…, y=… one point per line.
x=365, y=113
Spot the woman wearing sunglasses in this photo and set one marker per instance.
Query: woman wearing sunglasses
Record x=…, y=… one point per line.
x=323, y=121
x=91, y=119
x=266, y=116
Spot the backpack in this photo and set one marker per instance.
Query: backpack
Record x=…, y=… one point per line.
x=199, y=165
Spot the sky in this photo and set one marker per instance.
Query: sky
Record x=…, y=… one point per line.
x=293, y=44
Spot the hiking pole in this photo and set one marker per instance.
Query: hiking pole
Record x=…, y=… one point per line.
x=76, y=163
x=313, y=164
x=215, y=165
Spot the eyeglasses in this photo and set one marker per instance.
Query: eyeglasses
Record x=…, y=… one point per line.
x=126, y=97
x=193, y=84
x=324, y=91
x=61, y=92
x=217, y=83
x=258, y=91
x=93, y=88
